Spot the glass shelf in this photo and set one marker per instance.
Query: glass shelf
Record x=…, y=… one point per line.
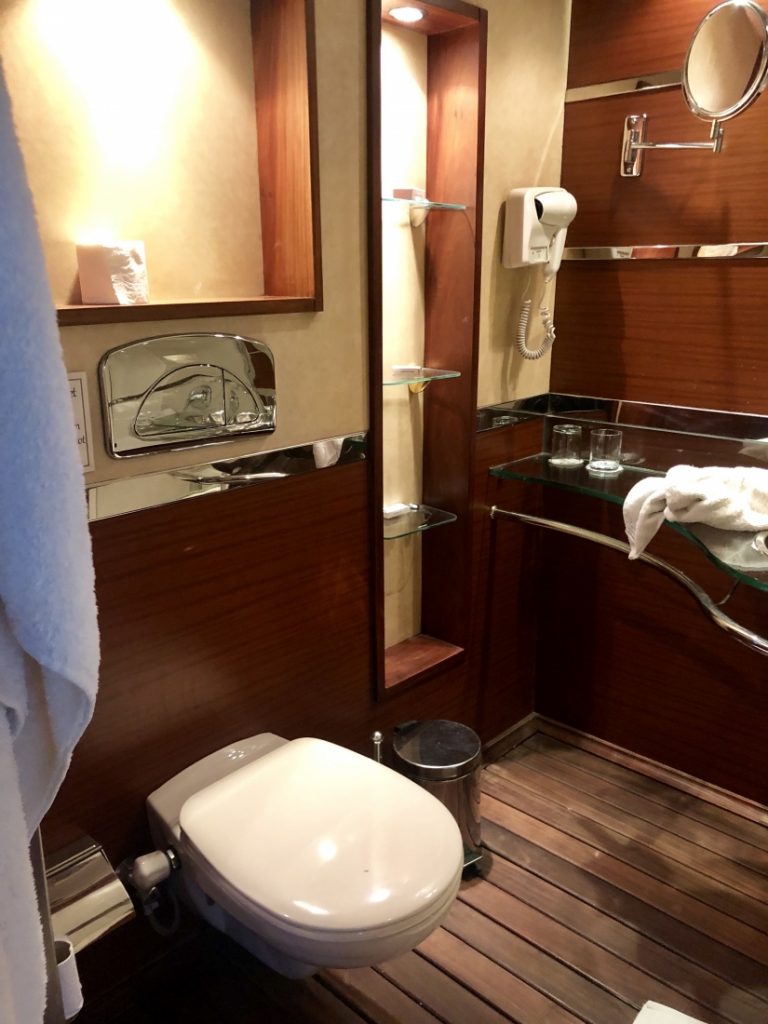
x=424, y=204
x=419, y=209
x=721, y=547
x=416, y=519
x=417, y=376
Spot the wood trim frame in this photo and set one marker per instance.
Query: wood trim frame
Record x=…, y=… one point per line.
x=456, y=67
x=375, y=347
x=456, y=53
x=286, y=114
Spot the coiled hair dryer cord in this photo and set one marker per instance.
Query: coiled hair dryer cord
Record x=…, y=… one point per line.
x=522, y=330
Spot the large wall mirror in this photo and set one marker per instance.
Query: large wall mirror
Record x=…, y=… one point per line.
x=185, y=124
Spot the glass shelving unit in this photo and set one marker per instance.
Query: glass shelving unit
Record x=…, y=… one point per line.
x=424, y=204
x=416, y=377
x=718, y=545
x=419, y=208
x=415, y=519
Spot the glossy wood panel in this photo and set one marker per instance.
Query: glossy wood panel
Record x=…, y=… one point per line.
x=624, y=38
x=676, y=333
x=455, y=119
x=217, y=623
x=627, y=655
x=261, y=304
x=449, y=15
x=506, y=599
x=682, y=196
x=286, y=116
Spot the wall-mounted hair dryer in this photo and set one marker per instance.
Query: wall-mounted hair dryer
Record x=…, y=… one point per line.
x=536, y=220
x=535, y=225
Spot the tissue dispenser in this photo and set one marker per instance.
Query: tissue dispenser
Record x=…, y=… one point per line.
x=86, y=897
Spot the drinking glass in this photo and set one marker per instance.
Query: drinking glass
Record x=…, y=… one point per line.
x=604, y=451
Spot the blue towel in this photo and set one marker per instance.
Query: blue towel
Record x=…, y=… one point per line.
x=49, y=649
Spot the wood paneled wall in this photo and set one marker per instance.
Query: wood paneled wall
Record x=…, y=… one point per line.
x=623, y=653
x=691, y=333
x=224, y=616
x=626, y=654
x=250, y=611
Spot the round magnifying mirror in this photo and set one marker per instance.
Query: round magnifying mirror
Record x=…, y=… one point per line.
x=726, y=67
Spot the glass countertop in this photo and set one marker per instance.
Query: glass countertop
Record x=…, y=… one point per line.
x=729, y=550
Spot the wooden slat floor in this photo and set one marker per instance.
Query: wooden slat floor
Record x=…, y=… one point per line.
x=606, y=888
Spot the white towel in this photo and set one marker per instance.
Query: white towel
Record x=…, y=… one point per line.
x=728, y=498
x=655, y=1013
x=48, y=630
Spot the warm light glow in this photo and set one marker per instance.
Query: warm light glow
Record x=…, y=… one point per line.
x=408, y=15
x=379, y=895
x=128, y=63
x=310, y=907
x=327, y=849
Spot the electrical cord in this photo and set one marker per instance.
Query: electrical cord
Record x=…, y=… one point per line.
x=522, y=328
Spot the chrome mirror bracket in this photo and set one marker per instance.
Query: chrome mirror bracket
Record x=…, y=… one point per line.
x=634, y=144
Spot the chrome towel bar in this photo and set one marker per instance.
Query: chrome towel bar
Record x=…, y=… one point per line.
x=718, y=616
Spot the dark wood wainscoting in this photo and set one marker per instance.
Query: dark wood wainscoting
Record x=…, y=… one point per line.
x=248, y=612
x=224, y=616
x=626, y=654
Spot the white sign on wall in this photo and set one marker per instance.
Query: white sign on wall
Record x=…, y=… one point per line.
x=78, y=390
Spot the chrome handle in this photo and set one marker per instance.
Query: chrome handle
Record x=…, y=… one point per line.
x=377, y=739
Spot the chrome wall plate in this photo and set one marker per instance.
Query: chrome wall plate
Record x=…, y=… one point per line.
x=186, y=390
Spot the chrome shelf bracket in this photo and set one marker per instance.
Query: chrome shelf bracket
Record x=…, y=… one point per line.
x=634, y=144
x=745, y=636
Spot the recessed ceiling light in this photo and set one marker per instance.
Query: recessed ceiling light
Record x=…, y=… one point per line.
x=408, y=15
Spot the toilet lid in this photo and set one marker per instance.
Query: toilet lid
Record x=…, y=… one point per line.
x=324, y=838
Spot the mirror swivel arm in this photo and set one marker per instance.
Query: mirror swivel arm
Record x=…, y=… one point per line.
x=634, y=144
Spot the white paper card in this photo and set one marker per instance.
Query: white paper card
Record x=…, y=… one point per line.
x=655, y=1013
x=78, y=390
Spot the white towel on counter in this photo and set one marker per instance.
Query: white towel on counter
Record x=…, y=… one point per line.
x=655, y=1013
x=48, y=630
x=728, y=498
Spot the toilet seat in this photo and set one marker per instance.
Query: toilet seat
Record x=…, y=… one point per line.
x=323, y=852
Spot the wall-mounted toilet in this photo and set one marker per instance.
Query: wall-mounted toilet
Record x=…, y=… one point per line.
x=308, y=854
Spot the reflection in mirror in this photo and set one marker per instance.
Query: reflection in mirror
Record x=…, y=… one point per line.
x=726, y=64
x=726, y=69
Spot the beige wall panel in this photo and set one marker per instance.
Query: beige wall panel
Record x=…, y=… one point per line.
x=320, y=359
x=527, y=65
x=141, y=126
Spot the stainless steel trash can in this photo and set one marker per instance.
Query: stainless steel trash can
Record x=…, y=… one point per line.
x=444, y=757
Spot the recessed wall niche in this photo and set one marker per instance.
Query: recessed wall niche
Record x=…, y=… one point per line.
x=426, y=109
x=188, y=125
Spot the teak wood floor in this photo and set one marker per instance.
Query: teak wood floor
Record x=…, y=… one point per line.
x=606, y=888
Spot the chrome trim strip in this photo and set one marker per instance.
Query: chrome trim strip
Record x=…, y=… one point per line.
x=742, y=427
x=149, y=490
x=701, y=251
x=620, y=86
x=718, y=616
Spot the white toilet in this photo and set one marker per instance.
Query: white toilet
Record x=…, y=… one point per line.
x=308, y=854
